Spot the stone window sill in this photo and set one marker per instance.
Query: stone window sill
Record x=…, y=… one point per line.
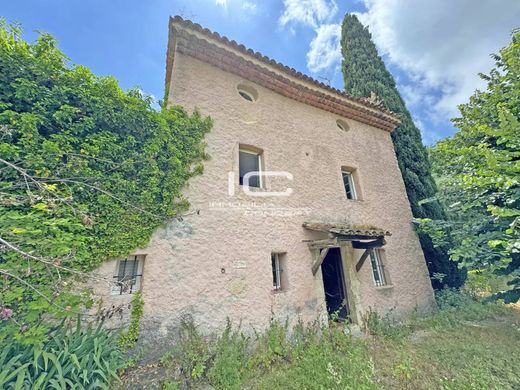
x=384, y=288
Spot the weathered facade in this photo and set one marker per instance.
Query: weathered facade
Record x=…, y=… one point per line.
x=330, y=194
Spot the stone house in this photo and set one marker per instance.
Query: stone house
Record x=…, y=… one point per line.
x=301, y=211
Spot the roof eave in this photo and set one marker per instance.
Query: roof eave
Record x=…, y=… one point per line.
x=360, y=109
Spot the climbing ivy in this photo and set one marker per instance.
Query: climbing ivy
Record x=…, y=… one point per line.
x=87, y=172
x=129, y=338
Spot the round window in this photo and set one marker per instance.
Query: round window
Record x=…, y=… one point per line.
x=246, y=96
x=342, y=125
x=248, y=93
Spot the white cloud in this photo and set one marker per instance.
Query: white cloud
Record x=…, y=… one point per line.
x=416, y=95
x=324, y=51
x=249, y=6
x=442, y=44
x=310, y=13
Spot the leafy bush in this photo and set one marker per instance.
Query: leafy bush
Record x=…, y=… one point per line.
x=70, y=359
x=277, y=358
x=385, y=326
x=483, y=282
x=448, y=299
x=129, y=338
x=87, y=172
x=412, y=354
x=478, y=174
x=192, y=350
x=169, y=385
x=455, y=307
x=272, y=346
x=229, y=360
x=326, y=358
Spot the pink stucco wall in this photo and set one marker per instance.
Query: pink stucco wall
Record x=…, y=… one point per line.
x=216, y=264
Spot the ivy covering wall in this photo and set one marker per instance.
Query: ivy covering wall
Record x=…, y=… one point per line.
x=87, y=172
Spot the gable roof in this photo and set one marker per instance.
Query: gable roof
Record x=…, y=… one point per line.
x=191, y=39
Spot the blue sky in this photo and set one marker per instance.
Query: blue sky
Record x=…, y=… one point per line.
x=433, y=48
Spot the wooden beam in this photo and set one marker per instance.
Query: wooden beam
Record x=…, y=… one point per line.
x=327, y=243
x=319, y=259
x=362, y=259
x=369, y=244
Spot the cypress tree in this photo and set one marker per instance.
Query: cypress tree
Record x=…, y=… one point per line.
x=365, y=73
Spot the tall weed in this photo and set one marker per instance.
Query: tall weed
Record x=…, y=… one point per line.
x=271, y=347
x=327, y=358
x=229, y=359
x=192, y=351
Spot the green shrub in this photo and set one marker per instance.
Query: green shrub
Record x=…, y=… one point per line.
x=467, y=305
x=69, y=359
x=455, y=307
x=170, y=385
x=272, y=346
x=404, y=370
x=87, y=172
x=324, y=358
x=484, y=282
x=192, y=350
x=229, y=360
x=129, y=338
x=384, y=326
x=448, y=299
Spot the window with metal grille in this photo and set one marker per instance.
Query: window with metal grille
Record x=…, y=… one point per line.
x=348, y=183
x=377, y=268
x=277, y=270
x=128, y=277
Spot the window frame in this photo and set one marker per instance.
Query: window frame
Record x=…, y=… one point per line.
x=249, y=91
x=136, y=277
x=257, y=153
x=342, y=125
x=245, y=95
x=378, y=268
x=351, y=183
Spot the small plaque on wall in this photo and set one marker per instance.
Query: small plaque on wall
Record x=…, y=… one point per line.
x=239, y=264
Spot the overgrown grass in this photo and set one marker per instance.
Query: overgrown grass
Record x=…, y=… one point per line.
x=467, y=344
x=334, y=361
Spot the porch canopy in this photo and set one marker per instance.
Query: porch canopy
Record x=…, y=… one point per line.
x=361, y=237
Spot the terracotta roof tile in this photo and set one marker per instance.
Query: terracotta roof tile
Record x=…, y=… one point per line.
x=346, y=229
x=373, y=113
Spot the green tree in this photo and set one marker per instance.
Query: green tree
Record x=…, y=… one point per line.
x=479, y=173
x=87, y=172
x=365, y=74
